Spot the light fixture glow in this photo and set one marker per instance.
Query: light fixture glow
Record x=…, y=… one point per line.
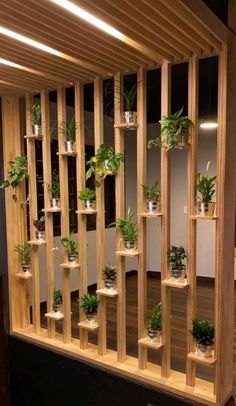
x=209, y=125
x=9, y=63
x=68, y=5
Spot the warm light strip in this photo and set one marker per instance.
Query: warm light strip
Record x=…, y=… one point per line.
x=68, y=5
x=209, y=125
x=9, y=63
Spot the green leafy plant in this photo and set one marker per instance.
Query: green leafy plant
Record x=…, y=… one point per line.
x=68, y=129
x=24, y=252
x=174, y=128
x=87, y=194
x=54, y=186
x=152, y=192
x=89, y=303
x=36, y=114
x=57, y=297
x=127, y=227
x=205, y=186
x=129, y=98
x=155, y=319
x=18, y=172
x=176, y=256
x=104, y=162
x=39, y=224
x=109, y=272
x=70, y=245
x=203, y=332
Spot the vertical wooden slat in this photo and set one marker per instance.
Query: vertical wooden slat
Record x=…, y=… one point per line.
x=165, y=224
x=82, y=219
x=63, y=172
x=142, y=221
x=33, y=215
x=100, y=221
x=192, y=225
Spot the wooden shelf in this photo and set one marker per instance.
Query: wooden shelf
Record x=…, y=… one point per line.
x=207, y=361
x=33, y=137
x=65, y=153
x=68, y=265
x=197, y=216
x=52, y=210
x=88, y=325
x=178, y=285
x=24, y=275
x=146, y=342
x=124, y=126
x=107, y=292
x=54, y=315
x=148, y=214
x=37, y=242
x=124, y=253
x=84, y=211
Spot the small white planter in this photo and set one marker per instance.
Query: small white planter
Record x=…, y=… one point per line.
x=177, y=275
x=91, y=317
x=153, y=206
x=130, y=246
x=109, y=283
x=25, y=268
x=89, y=204
x=39, y=235
x=56, y=308
x=204, y=351
x=70, y=146
x=206, y=208
x=54, y=203
x=36, y=130
x=72, y=258
x=154, y=335
x=129, y=117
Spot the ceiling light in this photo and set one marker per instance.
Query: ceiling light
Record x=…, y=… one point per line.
x=68, y=5
x=209, y=125
x=9, y=63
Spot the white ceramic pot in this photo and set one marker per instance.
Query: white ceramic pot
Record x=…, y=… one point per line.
x=129, y=117
x=39, y=235
x=54, y=203
x=204, y=351
x=70, y=146
x=36, y=130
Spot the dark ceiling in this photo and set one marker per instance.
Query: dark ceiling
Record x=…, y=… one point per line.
x=219, y=7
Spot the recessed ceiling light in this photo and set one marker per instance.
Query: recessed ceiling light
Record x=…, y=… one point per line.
x=209, y=125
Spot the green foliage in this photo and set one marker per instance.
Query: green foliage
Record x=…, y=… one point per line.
x=176, y=255
x=87, y=194
x=54, y=186
x=203, y=332
x=68, y=129
x=57, y=296
x=155, y=319
x=39, y=224
x=173, y=129
x=205, y=187
x=109, y=272
x=103, y=162
x=89, y=303
x=17, y=173
x=127, y=227
x=24, y=252
x=70, y=245
x=36, y=114
x=152, y=192
x=129, y=98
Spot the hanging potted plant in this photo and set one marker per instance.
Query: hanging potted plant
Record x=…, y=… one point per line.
x=152, y=196
x=109, y=276
x=24, y=253
x=129, y=105
x=18, y=173
x=206, y=191
x=71, y=247
x=54, y=188
x=128, y=230
x=89, y=303
x=57, y=300
x=40, y=228
x=68, y=131
x=154, y=324
x=104, y=163
x=176, y=256
x=36, y=119
x=203, y=332
x=174, y=132
x=88, y=196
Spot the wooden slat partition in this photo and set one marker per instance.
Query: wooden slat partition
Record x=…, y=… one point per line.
x=33, y=215
x=165, y=224
x=63, y=172
x=82, y=219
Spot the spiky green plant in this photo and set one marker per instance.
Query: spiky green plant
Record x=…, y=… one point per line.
x=109, y=272
x=129, y=98
x=155, y=319
x=87, y=194
x=89, y=303
x=36, y=114
x=70, y=245
x=68, y=129
x=127, y=226
x=203, y=332
x=54, y=186
x=57, y=297
x=24, y=252
x=176, y=256
x=152, y=192
x=18, y=172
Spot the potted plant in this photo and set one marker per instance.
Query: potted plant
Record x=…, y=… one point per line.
x=174, y=132
x=71, y=247
x=129, y=105
x=88, y=196
x=36, y=119
x=89, y=303
x=154, y=324
x=128, y=230
x=176, y=256
x=57, y=300
x=24, y=253
x=206, y=190
x=40, y=228
x=152, y=196
x=54, y=188
x=109, y=276
x=104, y=163
x=203, y=332
x=68, y=130
x=18, y=172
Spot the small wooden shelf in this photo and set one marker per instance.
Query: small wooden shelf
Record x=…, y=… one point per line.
x=52, y=210
x=146, y=342
x=107, y=292
x=84, y=211
x=68, y=265
x=178, y=285
x=65, y=153
x=125, y=253
x=149, y=214
x=54, y=315
x=197, y=216
x=124, y=126
x=33, y=137
x=207, y=361
x=88, y=325
x=24, y=275
x=37, y=242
